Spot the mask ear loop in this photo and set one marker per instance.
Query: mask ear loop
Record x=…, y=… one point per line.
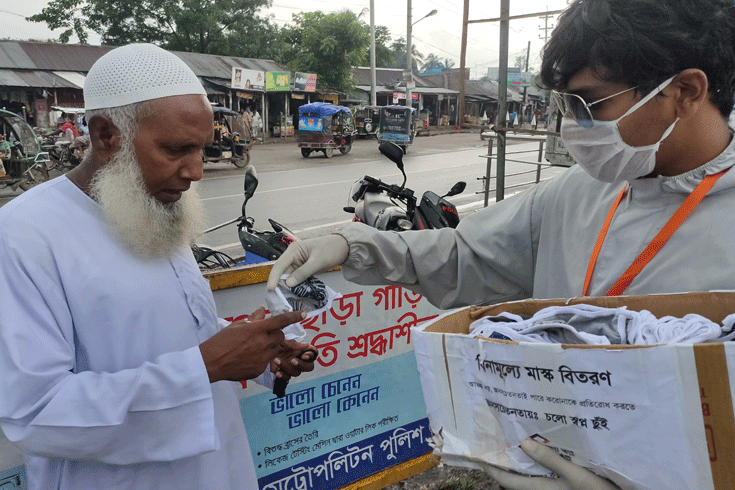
x=648, y=97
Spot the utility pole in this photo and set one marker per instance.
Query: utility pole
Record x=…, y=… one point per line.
x=504, y=19
x=409, y=51
x=462, y=61
x=525, y=89
x=502, y=98
x=373, y=83
x=546, y=27
x=409, y=57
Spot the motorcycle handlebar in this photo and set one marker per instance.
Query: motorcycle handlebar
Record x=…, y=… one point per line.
x=392, y=190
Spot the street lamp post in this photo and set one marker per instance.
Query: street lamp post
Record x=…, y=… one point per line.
x=373, y=92
x=409, y=49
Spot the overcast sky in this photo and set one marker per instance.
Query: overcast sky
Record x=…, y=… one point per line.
x=440, y=34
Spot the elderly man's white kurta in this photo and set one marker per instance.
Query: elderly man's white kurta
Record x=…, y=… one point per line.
x=103, y=385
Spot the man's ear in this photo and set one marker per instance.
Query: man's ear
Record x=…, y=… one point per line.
x=104, y=137
x=692, y=92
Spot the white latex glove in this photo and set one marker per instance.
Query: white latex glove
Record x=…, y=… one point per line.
x=308, y=257
x=571, y=476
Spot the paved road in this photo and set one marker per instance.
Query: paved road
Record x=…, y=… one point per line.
x=307, y=194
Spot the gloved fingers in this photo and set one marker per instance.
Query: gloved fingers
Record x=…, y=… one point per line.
x=577, y=477
x=513, y=481
x=302, y=273
x=306, y=258
x=284, y=265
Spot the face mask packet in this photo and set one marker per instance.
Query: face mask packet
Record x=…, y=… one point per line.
x=312, y=296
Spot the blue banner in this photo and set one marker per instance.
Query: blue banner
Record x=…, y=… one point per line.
x=338, y=429
x=349, y=463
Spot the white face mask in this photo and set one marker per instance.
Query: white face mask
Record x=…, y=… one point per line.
x=601, y=151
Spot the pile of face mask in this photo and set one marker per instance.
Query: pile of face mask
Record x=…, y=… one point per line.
x=587, y=324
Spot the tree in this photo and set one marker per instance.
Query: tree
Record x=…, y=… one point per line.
x=398, y=58
x=431, y=62
x=383, y=53
x=203, y=26
x=520, y=61
x=326, y=44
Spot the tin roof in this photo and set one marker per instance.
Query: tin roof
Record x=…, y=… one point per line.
x=40, y=58
x=33, y=78
x=388, y=77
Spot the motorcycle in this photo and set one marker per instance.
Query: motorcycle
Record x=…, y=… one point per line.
x=260, y=246
x=392, y=207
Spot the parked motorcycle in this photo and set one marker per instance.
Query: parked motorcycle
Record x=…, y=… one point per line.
x=259, y=245
x=392, y=207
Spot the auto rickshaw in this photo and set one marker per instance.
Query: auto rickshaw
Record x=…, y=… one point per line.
x=367, y=120
x=232, y=139
x=398, y=125
x=23, y=163
x=324, y=127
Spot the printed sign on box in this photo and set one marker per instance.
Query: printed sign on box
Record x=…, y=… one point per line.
x=605, y=408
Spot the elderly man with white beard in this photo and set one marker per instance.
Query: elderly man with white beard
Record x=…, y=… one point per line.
x=114, y=363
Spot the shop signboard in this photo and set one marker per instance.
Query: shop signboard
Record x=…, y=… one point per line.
x=244, y=79
x=277, y=81
x=305, y=82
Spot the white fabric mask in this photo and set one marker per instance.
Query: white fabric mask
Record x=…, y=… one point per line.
x=312, y=296
x=601, y=151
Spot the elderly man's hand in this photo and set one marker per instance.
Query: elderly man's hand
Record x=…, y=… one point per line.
x=308, y=257
x=295, y=358
x=244, y=349
x=571, y=476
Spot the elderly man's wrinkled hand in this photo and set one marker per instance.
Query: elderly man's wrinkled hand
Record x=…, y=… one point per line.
x=295, y=358
x=245, y=348
x=308, y=257
x=571, y=476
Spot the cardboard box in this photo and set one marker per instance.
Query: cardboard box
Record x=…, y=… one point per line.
x=647, y=417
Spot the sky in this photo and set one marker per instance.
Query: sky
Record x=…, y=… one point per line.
x=440, y=34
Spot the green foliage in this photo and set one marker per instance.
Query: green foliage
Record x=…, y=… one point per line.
x=431, y=61
x=326, y=44
x=398, y=55
x=70, y=15
x=383, y=54
x=227, y=27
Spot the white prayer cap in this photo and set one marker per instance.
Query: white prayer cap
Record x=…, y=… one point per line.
x=135, y=73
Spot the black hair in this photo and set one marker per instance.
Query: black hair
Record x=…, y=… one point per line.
x=644, y=42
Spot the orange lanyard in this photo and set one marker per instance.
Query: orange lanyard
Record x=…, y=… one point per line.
x=658, y=241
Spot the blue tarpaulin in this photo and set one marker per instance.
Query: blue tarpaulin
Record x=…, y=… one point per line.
x=322, y=109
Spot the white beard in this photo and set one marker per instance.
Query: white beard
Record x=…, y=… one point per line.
x=148, y=227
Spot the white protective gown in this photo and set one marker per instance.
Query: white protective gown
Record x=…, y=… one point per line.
x=538, y=243
x=103, y=385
